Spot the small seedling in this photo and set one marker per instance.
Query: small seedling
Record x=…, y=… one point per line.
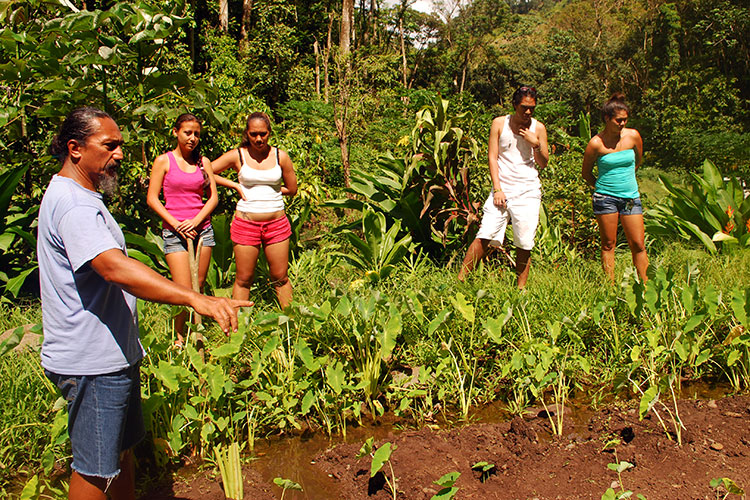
x=446, y=482
x=379, y=458
x=286, y=484
x=485, y=468
x=619, y=467
x=724, y=484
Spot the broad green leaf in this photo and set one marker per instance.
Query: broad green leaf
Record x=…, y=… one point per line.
x=380, y=456
x=286, y=484
x=437, y=321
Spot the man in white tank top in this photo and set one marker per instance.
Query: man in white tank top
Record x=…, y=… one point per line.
x=517, y=150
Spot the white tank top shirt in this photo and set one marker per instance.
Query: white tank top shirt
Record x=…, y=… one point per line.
x=261, y=187
x=515, y=160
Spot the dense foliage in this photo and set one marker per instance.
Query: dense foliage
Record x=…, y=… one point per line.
x=387, y=127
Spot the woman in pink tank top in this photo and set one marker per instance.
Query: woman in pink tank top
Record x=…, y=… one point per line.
x=186, y=178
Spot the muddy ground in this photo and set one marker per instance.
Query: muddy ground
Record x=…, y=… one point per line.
x=529, y=462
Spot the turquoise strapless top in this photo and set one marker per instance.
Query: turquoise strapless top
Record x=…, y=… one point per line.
x=617, y=174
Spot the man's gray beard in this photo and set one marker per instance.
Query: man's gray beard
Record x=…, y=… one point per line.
x=108, y=185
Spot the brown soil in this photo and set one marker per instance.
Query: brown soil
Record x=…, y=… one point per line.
x=529, y=463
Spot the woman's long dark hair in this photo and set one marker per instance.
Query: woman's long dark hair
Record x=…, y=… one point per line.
x=196, y=155
x=613, y=105
x=257, y=115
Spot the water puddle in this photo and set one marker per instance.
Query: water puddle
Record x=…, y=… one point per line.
x=293, y=458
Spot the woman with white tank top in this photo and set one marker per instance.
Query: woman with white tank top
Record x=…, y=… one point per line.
x=264, y=176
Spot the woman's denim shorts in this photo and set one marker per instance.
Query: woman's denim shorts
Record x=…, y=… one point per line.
x=104, y=418
x=173, y=242
x=607, y=204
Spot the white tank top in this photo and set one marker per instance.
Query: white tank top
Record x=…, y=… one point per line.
x=261, y=187
x=515, y=160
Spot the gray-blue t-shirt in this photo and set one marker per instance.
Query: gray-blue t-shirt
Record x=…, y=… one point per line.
x=90, y=325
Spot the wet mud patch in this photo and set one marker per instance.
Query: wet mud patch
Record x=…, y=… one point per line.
x=528, y=463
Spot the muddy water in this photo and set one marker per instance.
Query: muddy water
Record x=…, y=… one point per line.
x=293, y=457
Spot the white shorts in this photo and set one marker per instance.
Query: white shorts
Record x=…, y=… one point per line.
x=523, y=212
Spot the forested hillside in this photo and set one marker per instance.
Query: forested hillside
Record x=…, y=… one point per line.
x=343, y=80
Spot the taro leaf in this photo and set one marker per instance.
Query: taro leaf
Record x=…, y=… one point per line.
x=366, y=448
x=306, y=355
x=445, y=494
x=448, y=480
x=648, y=400
x=609, y=494
x=391, y=331
x=31, y=490
x=438, y=321
x=13, y=286
x=380, y=457
x=335, y=376
x=483, y=466
x=465, y=308
x=12, y=341
x=728, y=485
x=307, y=402
x=286, y=484
x=741, y=306
x=229, y=348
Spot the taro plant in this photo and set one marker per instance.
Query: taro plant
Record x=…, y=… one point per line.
x=710, y=210
x=230, y=468
x=619, y=467
x=380, y=457
x=725, y=487
x=286, y=484
x=430, y=189
x=379, y=249
x=447, y=488
x=738, y=342
x=446, y=152
x=16, y=239
x=361, y=332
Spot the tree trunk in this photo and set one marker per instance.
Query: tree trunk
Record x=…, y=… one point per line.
x=247, y=12
x=316, y=49
x=344, y=64
x=326, y=58
x=224, y=15
x=191, y=39
x=403, y=48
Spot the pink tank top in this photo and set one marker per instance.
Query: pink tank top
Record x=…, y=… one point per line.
x=183, y=193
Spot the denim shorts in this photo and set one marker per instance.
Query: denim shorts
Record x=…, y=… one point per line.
x=607, y=204
x=104, y=418
x=173, y=242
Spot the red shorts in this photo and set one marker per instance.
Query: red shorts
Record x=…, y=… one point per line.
x=252, y=233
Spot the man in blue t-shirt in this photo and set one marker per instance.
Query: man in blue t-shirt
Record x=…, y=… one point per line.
x=89, y=285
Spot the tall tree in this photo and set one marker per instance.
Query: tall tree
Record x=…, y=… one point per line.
x=344, y=67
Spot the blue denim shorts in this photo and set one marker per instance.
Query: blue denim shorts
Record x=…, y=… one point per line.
x=607, y=204
x=104, y=418
x=173, y=242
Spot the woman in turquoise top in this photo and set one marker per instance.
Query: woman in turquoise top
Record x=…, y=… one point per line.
x=617, y=152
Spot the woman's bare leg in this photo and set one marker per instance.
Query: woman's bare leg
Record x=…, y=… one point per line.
x=636, y=235
x=608, y=235
x=277, y=255
x=246, y=258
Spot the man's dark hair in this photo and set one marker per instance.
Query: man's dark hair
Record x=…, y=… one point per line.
x=79, y=126
x=521, y=92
